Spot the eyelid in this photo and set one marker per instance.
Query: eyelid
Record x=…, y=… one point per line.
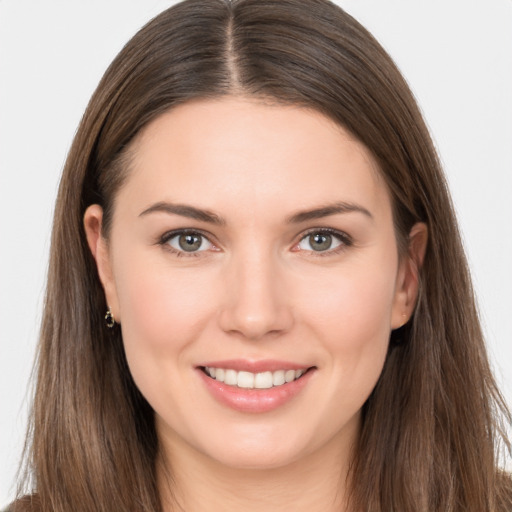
x=345, y=239
x=169, y=235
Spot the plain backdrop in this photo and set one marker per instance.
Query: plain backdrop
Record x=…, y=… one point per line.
x=456, y=54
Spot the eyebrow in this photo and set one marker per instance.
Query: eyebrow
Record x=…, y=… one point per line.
x=326, y=211
x=200, y=214
x=185, y=211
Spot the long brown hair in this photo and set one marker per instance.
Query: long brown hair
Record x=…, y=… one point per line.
x=431, y=427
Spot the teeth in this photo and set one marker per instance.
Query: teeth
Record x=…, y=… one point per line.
x=289, y=376
x=263, y=380
x=231, y=378
x=278, y=378
x=248, y=380
x=245, y=380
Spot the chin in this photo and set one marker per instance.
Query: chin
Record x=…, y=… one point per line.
x=257, y=460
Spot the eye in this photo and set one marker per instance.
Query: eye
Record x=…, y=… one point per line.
x=187, y=242
x=323, y=241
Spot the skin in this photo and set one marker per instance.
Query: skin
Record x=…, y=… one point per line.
x=257, y=289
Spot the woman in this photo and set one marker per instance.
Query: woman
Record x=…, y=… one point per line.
x=257, y=293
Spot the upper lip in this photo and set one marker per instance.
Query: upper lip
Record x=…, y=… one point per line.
x=265, y=365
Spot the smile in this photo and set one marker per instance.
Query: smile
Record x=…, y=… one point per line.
x=249, y=380
x=255, y=386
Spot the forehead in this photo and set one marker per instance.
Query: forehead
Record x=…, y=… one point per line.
x=213, y=151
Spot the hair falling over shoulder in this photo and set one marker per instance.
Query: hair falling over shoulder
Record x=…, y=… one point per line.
x=435, y=423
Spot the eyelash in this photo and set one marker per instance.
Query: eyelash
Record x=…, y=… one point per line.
x=344, y=239
x=166, y=237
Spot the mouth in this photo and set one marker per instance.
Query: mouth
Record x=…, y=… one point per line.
x=250, y=380
x=255, y=386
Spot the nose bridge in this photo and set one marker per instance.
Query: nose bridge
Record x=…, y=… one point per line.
x=255, y=303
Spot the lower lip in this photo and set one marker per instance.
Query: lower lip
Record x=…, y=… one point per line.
x=255, y=400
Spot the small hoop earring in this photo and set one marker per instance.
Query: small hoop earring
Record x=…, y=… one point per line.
x=110, y=321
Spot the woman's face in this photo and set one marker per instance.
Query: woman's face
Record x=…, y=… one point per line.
x=253, y=267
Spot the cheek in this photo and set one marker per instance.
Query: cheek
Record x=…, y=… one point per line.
x=350, y=313
x=354, y=326
x=162, y=310
x=353, y=305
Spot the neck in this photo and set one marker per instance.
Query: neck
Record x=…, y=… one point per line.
x=198, y=483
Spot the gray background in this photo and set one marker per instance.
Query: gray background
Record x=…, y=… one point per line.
x=457, y=56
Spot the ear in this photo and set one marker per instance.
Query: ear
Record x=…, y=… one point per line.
x=98, y=245
x=407, y=284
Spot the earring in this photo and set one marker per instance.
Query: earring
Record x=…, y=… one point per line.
x=404, y=316
x=109, y=319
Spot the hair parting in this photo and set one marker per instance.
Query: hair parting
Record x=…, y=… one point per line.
x=433, y=423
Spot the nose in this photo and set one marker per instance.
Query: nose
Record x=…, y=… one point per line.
x=256, y=304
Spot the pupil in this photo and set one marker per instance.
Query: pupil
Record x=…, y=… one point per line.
x=190, y=243
x=320, y=242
